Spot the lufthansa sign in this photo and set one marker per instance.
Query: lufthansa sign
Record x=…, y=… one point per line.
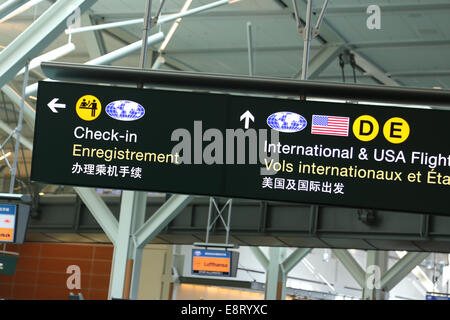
x=244, y=147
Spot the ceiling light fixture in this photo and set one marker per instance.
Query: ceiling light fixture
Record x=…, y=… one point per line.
x=21, y=9
x=163, y=19
x=49, y=56
x=174, y=26
x=5, y=156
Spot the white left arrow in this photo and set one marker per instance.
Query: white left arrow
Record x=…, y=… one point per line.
x=247, y=116
x=53, y=105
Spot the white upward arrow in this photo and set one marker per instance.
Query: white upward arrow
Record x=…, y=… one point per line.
x=247, y=116
x=53, y=105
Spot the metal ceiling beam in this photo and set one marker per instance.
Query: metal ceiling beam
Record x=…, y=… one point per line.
x=400, y=44
x=93, y=39
x=351, y=265
x=248, y=14
x=37, y=36
x=374, y=70
x=273, y=274
x=109, y=57
x=49, y=56
x=120, y=35
x=9, y=6
x=29, y=112
x=398, y=271
x=163, y=19
x=390, y=8
x=161, y=218
x=124, y=242
x=351, y=45
x=260, y=256
x=125, y=51
x=294, y=258
x=222, y=50
x=338, y=77
x=175, y=63
x=330, y=35
x=284, y=11
x=426, y=283
x=379, y=260
x=393, y=231
x=421, y=73
x=406, y=74
x=158, y=63
x=323, y=59
x=100, y=211
x=8, y=130
x=245, y=84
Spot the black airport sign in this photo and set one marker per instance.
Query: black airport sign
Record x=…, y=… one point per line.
x=230, y=145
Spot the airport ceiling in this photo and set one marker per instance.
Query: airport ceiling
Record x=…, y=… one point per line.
x=411, y=48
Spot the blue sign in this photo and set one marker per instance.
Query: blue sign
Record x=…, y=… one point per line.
x=7, y=208
x=211, y=262
x=286, y=122
x=437, y=297
x=211, y=253
x=125, y=110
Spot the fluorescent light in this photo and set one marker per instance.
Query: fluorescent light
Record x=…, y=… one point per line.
x=161, y=20
x=174, y=26
x=21, y=9
x=33, y=97
x=386, y=104
x=41, y=193
x=169, y=35
x=5, y=156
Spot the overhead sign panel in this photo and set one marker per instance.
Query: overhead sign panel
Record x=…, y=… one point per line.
x=7, y=222
x=244, y=147
x=211, y=262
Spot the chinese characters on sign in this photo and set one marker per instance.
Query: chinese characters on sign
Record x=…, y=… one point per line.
x=107, y=170
x=302, y=185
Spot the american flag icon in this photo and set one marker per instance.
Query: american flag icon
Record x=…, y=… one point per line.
x=330, y=125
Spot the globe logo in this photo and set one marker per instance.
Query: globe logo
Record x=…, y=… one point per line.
x=285, y=121
x=125, y=110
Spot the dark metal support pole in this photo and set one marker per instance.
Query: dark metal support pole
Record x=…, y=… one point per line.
x=145, y=32
x=19, y=129
x=245, y=84
x=307, y=41
x=250, y=49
